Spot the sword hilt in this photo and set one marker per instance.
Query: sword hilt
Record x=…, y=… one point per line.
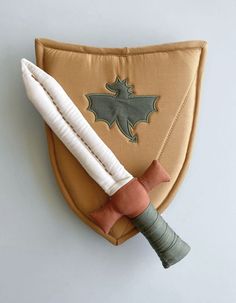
x=167, y=244
x=132, y=200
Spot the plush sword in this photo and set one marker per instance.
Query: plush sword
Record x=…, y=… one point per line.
x=127, y=195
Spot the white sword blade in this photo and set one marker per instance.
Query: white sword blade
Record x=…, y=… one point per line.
x=67, y=122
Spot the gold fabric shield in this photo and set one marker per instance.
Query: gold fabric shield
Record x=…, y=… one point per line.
x=171, y=71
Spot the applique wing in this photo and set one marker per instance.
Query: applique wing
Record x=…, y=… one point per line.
x=140, y=107
x=103, y=107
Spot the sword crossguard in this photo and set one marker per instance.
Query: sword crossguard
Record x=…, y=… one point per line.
x=131, y=199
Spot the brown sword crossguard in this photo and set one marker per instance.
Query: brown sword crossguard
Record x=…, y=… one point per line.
x=131, y=199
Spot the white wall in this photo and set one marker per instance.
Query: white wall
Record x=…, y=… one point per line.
x=46, y=253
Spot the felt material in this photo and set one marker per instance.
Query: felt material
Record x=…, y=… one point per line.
x=124, y=108
x=130, y=200
x=168, y=245
x=171, y=71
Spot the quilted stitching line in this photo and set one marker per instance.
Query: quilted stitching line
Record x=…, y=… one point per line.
x=172, y=127
x=90, y=149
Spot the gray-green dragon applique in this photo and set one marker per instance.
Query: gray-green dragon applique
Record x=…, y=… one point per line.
x=124, y=108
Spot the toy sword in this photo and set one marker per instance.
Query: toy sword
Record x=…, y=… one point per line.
x=128, y=195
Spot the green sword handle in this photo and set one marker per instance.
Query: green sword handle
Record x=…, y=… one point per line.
x=167, y=244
